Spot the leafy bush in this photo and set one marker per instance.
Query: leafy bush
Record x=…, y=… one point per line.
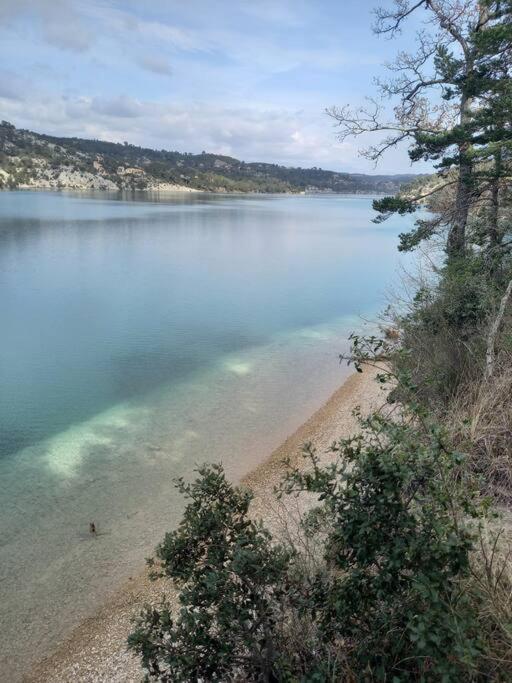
x=233, y=595
x=443, y=334
x=397, y=550
x=387, y=601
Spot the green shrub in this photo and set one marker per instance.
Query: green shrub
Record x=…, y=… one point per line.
x=233, y=591
x=387, y=600
x=443, y=334
x=397, y=550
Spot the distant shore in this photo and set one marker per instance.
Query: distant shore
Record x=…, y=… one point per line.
x=183, y=189
x=96, y=184
x=96, y=650
x=34, y=158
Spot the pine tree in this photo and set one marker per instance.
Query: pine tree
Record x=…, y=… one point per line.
x=493, y=126
x=440, y=90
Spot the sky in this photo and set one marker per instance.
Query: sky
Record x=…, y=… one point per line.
x=246, y=78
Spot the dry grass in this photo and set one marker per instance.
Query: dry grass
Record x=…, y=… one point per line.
x=481, y=420
x=300, y=635
x=491, y=584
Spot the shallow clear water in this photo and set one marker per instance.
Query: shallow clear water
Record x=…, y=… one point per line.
x=140, y=336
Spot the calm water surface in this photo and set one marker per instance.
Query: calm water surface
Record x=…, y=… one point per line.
x=139, y=337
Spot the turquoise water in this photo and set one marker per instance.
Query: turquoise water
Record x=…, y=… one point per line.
x=139, y=337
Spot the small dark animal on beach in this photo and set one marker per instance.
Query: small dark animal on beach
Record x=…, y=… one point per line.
x=92, y=528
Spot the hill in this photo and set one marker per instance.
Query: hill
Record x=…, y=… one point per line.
x=29, y=159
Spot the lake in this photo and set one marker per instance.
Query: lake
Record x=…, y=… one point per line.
x=139, y=337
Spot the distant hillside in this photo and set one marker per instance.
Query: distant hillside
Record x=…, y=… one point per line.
x=29, y=159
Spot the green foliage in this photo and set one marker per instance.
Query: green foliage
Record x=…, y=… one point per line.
x=463, y=297
x=233, y=591
x=424, y=230
x=387, y=601
x=397, y=550
x=443, y=333
x=389, y=205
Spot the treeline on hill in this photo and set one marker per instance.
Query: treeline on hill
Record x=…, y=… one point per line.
x=25, y=155
x=401, y=571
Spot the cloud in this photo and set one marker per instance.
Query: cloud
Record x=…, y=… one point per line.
x=201, y=29
x=249, y=79
x=272, y=135
x=59, y=22
x=268, y=11
x=121, y=22
x=117, y=107
x=11, y=8
x=68, y=33
x=13, y=86
x=172, y=36
x=155, y=64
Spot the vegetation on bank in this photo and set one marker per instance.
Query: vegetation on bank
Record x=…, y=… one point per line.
x=28, y=158
x=401, y=569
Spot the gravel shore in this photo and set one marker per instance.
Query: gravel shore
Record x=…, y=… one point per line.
x=96, y=651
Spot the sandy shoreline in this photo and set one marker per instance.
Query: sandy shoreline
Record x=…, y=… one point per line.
x=96, y=650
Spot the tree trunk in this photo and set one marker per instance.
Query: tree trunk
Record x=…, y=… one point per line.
x=456, y=242
x=495, y=234
x=490, y=355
